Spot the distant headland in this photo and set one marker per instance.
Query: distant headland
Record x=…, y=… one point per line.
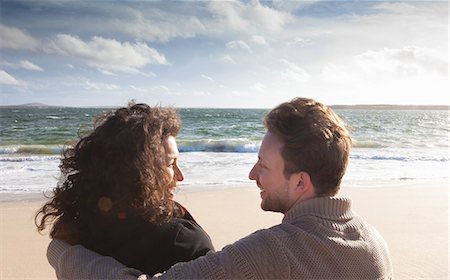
x=391, y=107
x=29, y=105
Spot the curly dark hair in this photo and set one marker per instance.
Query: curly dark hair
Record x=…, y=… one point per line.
x=119, y=170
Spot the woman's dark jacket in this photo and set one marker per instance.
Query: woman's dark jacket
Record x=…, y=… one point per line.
x=154, y=248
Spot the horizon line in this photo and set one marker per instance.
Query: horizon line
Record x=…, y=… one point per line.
x=335, y=106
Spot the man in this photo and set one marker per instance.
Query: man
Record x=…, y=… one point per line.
x=301, y=162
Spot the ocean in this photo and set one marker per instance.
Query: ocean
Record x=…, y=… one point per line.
x=218, y=147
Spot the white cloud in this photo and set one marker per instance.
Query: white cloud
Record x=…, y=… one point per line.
x=163, y=88
x=422, y=23
x=259, y=40
x=424, y=14
x=100, y=86
x=7, y=79
x=409, y=60
x=25, y=64
x=400, y=8
x=239, y=45
x=298, y=41
x=250, y=17
x=148, y=74
x=16, y=39
x=388, y=65
x=294, y=72
x=106, y=72
x=291, y=6
x=106, y=54
x=207, y=77
x=228, y=14
x=154, y=24
x=408, y=75
x=139, y=89
x=228, y=58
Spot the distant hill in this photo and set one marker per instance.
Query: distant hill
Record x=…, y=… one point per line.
x=391, y=107
x=34, y=105
x=28, y=105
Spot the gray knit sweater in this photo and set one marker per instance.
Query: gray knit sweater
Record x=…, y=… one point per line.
x=319, y=238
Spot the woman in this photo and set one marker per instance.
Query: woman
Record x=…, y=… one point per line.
x=115, y=194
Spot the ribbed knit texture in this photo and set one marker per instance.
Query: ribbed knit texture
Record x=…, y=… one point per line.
x=319, y=238
x=76, y=262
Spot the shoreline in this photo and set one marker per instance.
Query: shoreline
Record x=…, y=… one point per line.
x=413, y=219
x=35, y=196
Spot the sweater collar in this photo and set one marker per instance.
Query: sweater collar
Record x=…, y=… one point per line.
x=326, y=207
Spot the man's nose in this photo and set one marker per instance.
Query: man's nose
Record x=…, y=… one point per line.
x=253, y=173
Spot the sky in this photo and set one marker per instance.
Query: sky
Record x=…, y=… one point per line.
x=223, y=54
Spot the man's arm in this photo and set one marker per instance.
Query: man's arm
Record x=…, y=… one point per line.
x=249, y=258
x=77, y=262
x=86, y=264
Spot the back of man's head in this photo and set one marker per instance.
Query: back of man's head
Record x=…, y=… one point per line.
x=315, y=141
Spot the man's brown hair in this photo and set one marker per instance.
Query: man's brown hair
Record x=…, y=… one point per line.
x=315, y=141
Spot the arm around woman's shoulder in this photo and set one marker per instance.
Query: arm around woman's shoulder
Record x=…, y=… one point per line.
x=77, y=262
x=251, y=257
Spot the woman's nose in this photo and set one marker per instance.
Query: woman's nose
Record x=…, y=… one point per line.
x=179, y=174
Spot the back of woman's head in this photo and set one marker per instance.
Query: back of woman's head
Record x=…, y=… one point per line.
x=116, y=172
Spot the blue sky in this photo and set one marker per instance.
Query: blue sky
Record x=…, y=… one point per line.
x=231, y=54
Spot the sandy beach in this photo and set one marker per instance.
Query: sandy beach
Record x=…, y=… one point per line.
x=413, y=218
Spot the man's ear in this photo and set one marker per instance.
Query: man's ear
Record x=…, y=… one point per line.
x=303, y=184
x=301, y=187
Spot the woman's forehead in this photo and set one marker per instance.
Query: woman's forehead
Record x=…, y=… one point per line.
x=170, y=146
